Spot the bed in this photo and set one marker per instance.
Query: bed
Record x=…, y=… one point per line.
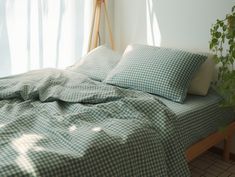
x=203, y=123
x=200, y=116
x=67, y=123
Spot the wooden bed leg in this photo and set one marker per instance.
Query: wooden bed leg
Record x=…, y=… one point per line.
x=227, y=148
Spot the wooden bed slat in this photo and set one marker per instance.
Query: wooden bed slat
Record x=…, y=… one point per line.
x=215, y=138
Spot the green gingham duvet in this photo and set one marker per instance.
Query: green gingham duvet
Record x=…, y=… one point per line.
x=60, y=123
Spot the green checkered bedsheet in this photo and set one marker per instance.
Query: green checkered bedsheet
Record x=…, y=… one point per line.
x=199, y=116
x=60, y=123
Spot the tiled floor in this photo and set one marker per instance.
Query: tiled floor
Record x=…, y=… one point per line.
x=211, y=165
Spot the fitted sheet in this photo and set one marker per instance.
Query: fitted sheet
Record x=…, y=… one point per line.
x=199, y=116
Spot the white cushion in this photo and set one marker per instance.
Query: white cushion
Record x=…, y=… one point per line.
x=201, y=81
x=162, y=71
x=97, y=63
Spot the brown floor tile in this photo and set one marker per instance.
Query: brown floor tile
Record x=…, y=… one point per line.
x=225, y=174
x=214, y=170
x=197, y=171
x=208, y=175
x=232, y=169
x=198, y=163
x=211, y=165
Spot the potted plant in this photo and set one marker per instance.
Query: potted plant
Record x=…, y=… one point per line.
x=222, y=44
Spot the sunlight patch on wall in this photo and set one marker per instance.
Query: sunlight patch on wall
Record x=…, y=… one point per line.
x=153, y=30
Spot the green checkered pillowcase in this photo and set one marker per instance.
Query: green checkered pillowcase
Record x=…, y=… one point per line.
x=97, y=63
x=161, y=71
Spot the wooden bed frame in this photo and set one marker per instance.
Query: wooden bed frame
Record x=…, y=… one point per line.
x=198, y=148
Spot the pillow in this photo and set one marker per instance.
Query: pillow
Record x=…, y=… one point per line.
x=161, y=71
x=201, y=81
x=97, y=63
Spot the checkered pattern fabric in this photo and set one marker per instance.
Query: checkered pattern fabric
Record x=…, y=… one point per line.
x=98, y=63
x=161, y=71
x=60, y=123
x=199, y=116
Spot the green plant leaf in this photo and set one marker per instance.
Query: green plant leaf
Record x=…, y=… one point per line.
x=233, y=54
x=216, y=27
x=233, y=8
x=214, y=40
x=211, y=46
x=221, y=23
x=224, y=28
x=228, y=35
x=218, y=34
x=222, y=44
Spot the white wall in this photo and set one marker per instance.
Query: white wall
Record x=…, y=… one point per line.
x=171, y=23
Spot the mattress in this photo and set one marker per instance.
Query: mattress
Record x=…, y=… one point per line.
x=199, y=116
